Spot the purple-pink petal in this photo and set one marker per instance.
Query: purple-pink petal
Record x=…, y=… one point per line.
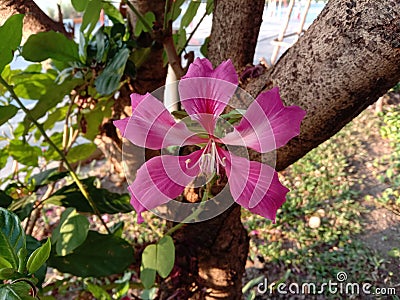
x=161, y=179
x=267, y=124
x=152, y=126
x=254, y=185
x=205, y=92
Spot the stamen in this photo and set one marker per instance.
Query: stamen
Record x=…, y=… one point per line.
x=187, y=162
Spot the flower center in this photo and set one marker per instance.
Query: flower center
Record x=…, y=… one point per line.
x=210, y=160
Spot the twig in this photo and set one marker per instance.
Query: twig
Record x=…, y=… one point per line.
x=61, y=153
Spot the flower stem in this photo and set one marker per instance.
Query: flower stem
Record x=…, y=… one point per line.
x=60, y=152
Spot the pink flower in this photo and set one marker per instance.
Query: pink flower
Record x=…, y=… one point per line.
x=204, y=93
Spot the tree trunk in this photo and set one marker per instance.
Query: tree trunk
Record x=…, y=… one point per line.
x=235, y=29
x=35, y=19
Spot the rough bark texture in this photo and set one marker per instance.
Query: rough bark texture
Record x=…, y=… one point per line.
x=346, y=60
x=35, y=19
x=151, y=75
x=235, y=29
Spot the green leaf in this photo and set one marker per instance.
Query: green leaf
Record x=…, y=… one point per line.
x=32, y=85
x=91, y=16
x=50, y=44
x=210, y=7
x=5, y=200
x=190, y=13
x=100, y=255
x=39, y=257
x=81, y=152
x=7, y=112
x=109, y=80
x=165, y=256
x=47, y=177
x=24, y=153
x=148, y=266
x=12, y=237
x=159, y=257
x=31, y=245
x=10, y=37
x=106, y=201
x=4, y=263
x=71, y=232
x=8, y=273
x=204, y=47
x=54, y=95
x=113, y=13
x=97, y=291
x=15, y=291
x=79, y=5
x=150, y=18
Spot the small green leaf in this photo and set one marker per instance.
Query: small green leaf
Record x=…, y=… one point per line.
x=109, y=80
x=113, y=13
x=91, y=16
x=159, y=257
x=79, y=5
x=395, y=252
x=190, y=13
x=39, y=257
x=148, y=277
x=97, y=291
x=8, y=273
x=54, y=95
x=165, y=256
x=100, y=255
x=106, y=201
x=71, y=232
x=10, y=37
x=24, y=153
x=150, y=18
x=7, y=112
x=4, y=263
x=81, y=152
x=47, y=177
x=12, y=237
x=15, y=291
x=204, y=47
x=50, y=44
x=148, y=266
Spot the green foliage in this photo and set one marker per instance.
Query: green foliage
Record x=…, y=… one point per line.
x=10, y=42
x=109, y=80
x=15, y=291
x=79, y=5
x=7, y=112
x=55, y=45
x=12, y=237
x=106, y=201
x=158, y=258
x=100, y=255
x=71, y=232
x=39, y=257
x=150, y=18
